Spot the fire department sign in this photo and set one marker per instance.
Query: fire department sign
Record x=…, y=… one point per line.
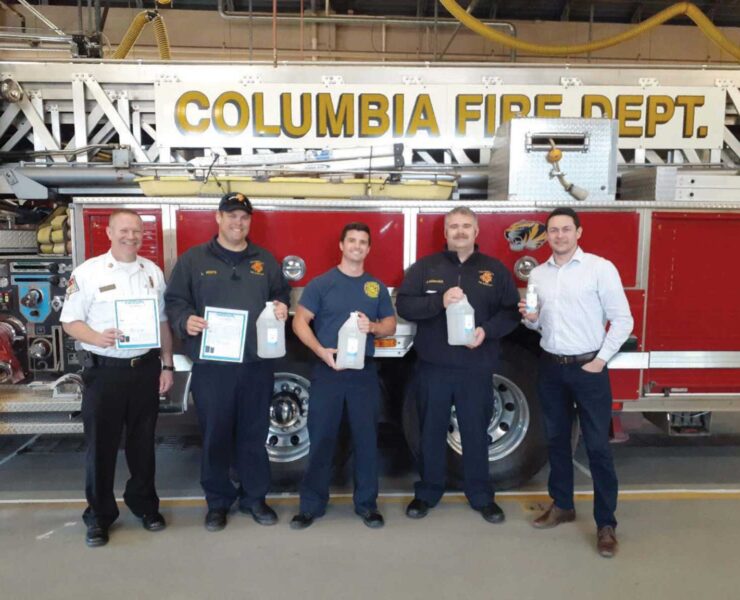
x=425, y=115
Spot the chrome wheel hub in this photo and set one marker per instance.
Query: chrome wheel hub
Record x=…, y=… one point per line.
x=508, y=426
x=287, y=438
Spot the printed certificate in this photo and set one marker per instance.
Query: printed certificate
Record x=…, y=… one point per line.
x=225, y=335
x=138, y=319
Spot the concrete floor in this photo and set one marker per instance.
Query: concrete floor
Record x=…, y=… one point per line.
x=679, y=531
x=677, y=549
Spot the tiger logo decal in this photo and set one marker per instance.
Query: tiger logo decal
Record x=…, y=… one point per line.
x=525, y=235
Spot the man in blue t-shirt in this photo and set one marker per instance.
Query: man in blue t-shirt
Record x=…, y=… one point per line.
x=328, y=301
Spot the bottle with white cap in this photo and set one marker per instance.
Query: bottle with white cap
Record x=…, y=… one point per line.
x=530, y=299
x=351, y=344
x=270, y=333
x=460, y=323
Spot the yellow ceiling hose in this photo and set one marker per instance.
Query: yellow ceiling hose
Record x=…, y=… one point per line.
x=135, y=29
x=682, y=8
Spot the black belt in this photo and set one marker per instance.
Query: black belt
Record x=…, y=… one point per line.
x=127, y=363
x=573, y=359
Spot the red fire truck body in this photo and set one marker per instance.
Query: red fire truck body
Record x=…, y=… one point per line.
x=675, y=254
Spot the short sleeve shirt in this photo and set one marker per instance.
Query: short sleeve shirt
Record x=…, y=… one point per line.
x=331, y=297
x=95, y=286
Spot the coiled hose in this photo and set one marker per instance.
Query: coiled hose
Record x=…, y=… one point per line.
x=680, y=9
x=160, y=34
x=135, y=29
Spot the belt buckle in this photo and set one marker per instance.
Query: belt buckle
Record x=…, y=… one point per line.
x=135, y=361
x=562, y=360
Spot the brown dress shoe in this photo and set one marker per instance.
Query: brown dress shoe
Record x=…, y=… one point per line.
x=606, y=541
x=553, y=517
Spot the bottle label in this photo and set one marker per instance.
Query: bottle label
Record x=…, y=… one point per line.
x=469, y=322
x=272, y=335
x=531, y=302
x=352, y=345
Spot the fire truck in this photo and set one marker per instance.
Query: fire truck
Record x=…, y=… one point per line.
x=649, y=157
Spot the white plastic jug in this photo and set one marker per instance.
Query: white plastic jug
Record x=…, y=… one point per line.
x=460, y=323
x=351, y=344
x=270, y=333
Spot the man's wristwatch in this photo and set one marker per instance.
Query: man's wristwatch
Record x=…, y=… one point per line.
x=168, y=368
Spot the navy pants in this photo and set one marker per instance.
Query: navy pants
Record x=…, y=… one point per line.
x=116, y=398
x=332, y=392
x=564, y=391
x=472, y=394
x=233, y=406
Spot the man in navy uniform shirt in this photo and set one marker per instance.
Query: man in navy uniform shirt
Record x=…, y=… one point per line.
x=232, y=399
x=457, y=374
x=328, y=301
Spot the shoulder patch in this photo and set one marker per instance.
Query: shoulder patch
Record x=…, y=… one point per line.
x=72, y=287
x=257, y=267
x=485, y=278
x=372, y=289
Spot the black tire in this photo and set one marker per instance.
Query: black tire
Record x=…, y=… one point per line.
x=518, y=450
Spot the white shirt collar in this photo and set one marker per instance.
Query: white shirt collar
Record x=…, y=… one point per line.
x=113, y=264
x=577, y=256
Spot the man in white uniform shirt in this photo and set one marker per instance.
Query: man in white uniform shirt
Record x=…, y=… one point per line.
x=577, y=294
x=122, y=386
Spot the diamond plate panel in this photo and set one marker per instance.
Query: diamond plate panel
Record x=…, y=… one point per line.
x=33, y=423
x=519, y=169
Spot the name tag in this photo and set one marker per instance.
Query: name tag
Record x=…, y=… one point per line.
x=107, y=288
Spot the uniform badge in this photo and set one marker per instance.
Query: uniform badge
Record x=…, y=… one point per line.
x=485, y=278
x=525, y=234
x=372, y=289
x=257, y=267
x=211, y=272
x=433, y=281
x=107, y=288
x=72, y=287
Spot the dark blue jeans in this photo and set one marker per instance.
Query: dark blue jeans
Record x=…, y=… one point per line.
x=567, y=390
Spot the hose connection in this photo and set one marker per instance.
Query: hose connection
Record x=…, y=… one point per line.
x=554, y=156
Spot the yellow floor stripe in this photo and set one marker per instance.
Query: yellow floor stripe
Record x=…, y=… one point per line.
x=534, y=499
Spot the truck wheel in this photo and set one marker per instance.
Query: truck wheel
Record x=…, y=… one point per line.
x=517, y=447
x=287, y=439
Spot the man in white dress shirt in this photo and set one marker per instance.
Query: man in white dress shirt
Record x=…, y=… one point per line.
x=122, y=386
x=578, y=293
